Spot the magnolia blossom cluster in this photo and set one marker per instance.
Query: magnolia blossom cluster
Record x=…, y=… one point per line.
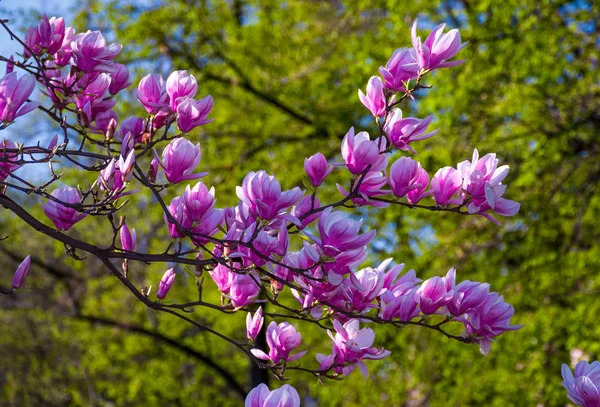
x=273, y=237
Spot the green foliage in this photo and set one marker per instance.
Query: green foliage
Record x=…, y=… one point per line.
x=284, y=77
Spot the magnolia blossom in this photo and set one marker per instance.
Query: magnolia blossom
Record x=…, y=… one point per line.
x=351, y=346
x=119, y=79
x=14, y=93
x=445, y=184
x=437, y=48
x=152, y=94
x=179, y=159
x=436, y=292
x=360, y=152
x=222, y=277
x=482, y=185
x=282, y=340
x=406, y=175
x=90, y=52
x=584, y=387
x=8, y=159
x=262, y=193
x=244, y=289
x=21, y=273
x=63, y=216
x=47, y=37
x=317, y=169
x=338, y=233
x=179, y=85
x=165, y=284
x=254, y=324
x=403, y=131
x=375, y=99
x=128, y=238
x=260, y=396
x=192, y=113
x=401, y=67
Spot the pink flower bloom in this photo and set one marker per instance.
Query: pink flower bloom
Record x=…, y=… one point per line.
x=317, y=169
x=64, y=217
x=282, y=340
x=438, y=47
x=371, y=186
x=177, y=210
x=467, y=296
x=260, y=396
x=92, y=86
x=192, y=113
x=120, y=79
x=46, y=37
x=364, y=286
x=128, y=238
x=198, y=200
x=106, y=123
x=165, y=284
x=402, y=132
x=63, y=55
x=8, y=160
x=90, y=52
x=482, y=184
x=254, y=324
x=244, y=289
x=179, y=159
x=359, y=152
x=435, y=293
x=207, y=226
x=421, y=181
x=304, y=206
x=133, y=125
x=180, y=85
x=402, y=306
x=445, y=184
x=222, y=277
x=401, y=67
x=13, y=97
x=406, y=175
x=584, y=387
x=21, y=272
x=152, y=94
x=375, y=99
x=488, y=320
x=339, y=233
x=262, y=193
x=351, y=346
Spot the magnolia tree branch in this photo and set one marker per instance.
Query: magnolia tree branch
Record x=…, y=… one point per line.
x=273, y=240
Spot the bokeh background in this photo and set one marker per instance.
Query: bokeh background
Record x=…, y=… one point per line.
x=284, y=76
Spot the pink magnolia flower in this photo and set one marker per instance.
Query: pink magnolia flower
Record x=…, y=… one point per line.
x=435, y=292
x=178, y=212
x=488, y=320
x=165, y=284
x=128, y=238
x=152, y=94
x=339, y=233
x=14, y=93
x=192, y=113
x=482, y=184
x=63, y=55
x=179, y=159
x=467, y=296
x=359, y=152
x=401, y=67
x=46, y=37
x=262, y=193
x=584, y=387
x=106, y=123
x=437, y=48
x=445, y=184
x=364, y=286
x=198, y=200
x=317, y=169
x=21, y=273
x=90, y=52
x=282, y=340
x=375, y=99
x=222, y=277
x=405, y=176
x=254, y=324
x=244, y=289
x=180, y=85
x=401, y=306
x=402, y=132
x=132, y=125
x=370, y=187
x=351, y=346
x=120, y=79
x=260, y=396
x=8, y=160
x=63, y=216
x=303, y=207
x=420, y=182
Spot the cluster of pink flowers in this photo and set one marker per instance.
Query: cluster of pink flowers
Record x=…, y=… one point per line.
x=251, y=243
x=584, y=387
